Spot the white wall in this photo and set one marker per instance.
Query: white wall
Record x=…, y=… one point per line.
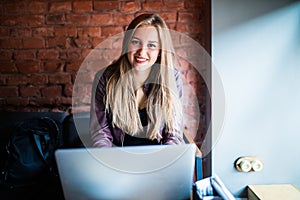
x=256, y=51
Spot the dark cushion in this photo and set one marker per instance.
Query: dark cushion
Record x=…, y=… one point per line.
x=8, y=120
x=76, y=130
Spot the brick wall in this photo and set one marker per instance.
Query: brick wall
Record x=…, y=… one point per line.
x=44, y=42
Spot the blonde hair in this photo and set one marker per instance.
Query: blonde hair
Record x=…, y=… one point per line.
x=163, y=102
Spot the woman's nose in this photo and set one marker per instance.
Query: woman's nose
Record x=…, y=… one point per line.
x=142, y=49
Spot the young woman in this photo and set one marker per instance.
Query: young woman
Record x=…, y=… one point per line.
x=137, y=99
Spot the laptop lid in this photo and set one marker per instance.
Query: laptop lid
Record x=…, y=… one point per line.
x=140, y=172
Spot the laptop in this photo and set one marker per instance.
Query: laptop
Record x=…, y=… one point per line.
x=139, y=172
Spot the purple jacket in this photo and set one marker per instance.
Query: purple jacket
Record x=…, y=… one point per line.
x=104, y=134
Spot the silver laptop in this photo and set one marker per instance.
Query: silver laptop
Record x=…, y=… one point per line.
x=140, y=172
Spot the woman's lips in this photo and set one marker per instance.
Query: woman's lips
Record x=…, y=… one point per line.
x=140, y=60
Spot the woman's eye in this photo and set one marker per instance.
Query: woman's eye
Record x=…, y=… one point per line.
x=152, y=46
x=135, y=42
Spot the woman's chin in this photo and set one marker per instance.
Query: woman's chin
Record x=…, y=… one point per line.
x=141, y=67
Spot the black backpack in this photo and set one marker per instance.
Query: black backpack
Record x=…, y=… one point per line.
x=30, y=153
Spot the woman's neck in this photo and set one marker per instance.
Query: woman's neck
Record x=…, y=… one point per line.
x=140, y=77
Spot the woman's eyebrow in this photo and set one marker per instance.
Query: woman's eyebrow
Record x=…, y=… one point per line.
x=151, y=41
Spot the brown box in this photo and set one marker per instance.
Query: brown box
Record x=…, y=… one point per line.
x=273, y=192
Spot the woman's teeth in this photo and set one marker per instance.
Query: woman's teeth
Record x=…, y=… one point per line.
x=140, y=59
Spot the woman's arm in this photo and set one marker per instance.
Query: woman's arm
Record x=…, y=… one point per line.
x=99, y=123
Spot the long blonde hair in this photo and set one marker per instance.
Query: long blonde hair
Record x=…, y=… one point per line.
x=163, y=102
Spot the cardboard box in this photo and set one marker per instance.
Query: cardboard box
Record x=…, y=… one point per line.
x=273, y=192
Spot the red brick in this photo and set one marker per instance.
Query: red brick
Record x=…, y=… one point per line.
x=106, y=5
x=42, y=32
x=53, y=66
x=68, y=90
x=55, y=19
x=83, y=43
x=37, y=7
x=33, y=20
x=51, y=91
x=73, y=77
x=73, y=66
x=20, y=32
x=8, y=67
x=63, y=55
x=14, y=8
x=4, y=32
x=101, y=19
x=129, y=6
x=16, y=80
x=96, y=41
x=9, y=91
x=30, y=91
x=122, y=19
x=17, y=101
x=56, y=42
x=73, y=54
x=10, y=43
x=174, y=4
x=194, y=5
x=65, y=31
x=183, y=28
x=13, y=20
x=171, y=25
x=25, y=79
x=5, y=55
x=188, y=17
x=60, y=6
x=64, y=100
x=197, y=28
x=33, y=43
x=60, y=78
x=42, y=101
x=3, y=79
x=78, y=19
x=37, y=79
x=152, y=6
x=169, y=17
x=89, y=32
x=48, y=54
x=24, y=54
x=82, y=6
x=70, y=54
x=71, y=43
x=28, y=67
x=111, y=30
x=8, y=21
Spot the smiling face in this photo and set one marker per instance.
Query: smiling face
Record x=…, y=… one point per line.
x=143, y=49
